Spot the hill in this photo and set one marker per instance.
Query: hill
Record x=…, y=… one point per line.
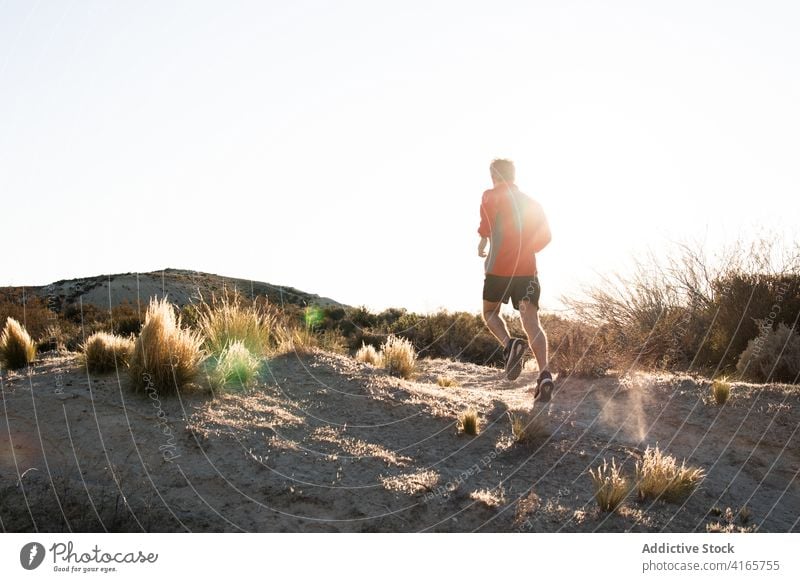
x=180, y=285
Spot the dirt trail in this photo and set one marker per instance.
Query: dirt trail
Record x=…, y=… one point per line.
x=327, y=444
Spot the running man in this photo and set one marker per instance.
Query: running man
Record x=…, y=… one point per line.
x=515, y=227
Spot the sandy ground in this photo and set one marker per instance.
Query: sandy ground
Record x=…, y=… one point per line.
x=324, y=443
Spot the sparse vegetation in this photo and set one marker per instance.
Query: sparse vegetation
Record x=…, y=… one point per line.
x=368, y=355
x=166, y=356
x=105, y=352
x=17, y=349
x=610, y=485
x=235, y=366
x=446, y=381
x=399, y=356
x=728, y=522
x=528, y=427
x=468, y=421
x=658, y=476
x=721, y=390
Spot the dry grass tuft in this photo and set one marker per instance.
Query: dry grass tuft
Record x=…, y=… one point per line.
x=229, y=319
x=610, y=486
x=105, y=352
x=293, y=339
x=235, y=366
x=721, y=390
x=446, y=381
x=490, y=498
x=165, y=357
x=468, y=421
x=399, y=356
x=658, y=476
x=17, y=349
x=527, y=427
x=728, y=522
x=369, y=355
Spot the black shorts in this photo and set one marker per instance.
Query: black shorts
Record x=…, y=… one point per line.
x=499, y=289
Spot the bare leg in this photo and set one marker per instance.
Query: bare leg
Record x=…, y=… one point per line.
x=536, y=336
x=495, y=323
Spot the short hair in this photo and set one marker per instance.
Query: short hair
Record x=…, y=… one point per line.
x=503, y=169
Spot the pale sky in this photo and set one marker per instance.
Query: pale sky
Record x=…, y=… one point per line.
x=342, y=147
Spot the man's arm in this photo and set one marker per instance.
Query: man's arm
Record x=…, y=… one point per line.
x=482, y=246
x=543, y=236
x=485, y=228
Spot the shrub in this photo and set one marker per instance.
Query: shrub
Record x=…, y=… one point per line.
x=658, y=476
x=30, y=309
x=468, y=422
x=104, y=352
x=610, y=486
x=576, y=348
x=58, y=336
x=17, y=349
x=165, y=355
x=773, y=356
x=720, y=390
x=368, y=355
x=527, y=427
x=399, y=356
x=236, y=365
x=229, y=319
x=446, y=381
x=688, y=309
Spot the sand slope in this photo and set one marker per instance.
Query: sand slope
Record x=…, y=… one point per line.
x=327, y=444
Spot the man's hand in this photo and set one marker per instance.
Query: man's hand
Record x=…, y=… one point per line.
x=482, y=247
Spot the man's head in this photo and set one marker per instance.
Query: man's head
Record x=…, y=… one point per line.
x=502, y=170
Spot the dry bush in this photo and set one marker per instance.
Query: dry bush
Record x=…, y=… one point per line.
x=658, y=476
x=166, y=357
x=17, y=349
x=32, y=311
x=230, y=319
x=576, y=348
x=368, y=355
x=610, y=485
x=399, y=356
x=528, y=427
x=692, y=310
x=60, y=336
x=235, y=366
x=458, y=335
x=720, y=390
x=105, y=352
x=774, y=356
x=446, y=381
x=468, y=422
